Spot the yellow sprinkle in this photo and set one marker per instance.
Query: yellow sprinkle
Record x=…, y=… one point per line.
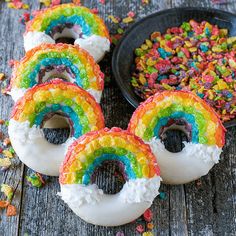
x=127, y=20
x=7, y=153
x=232, y=63
x=188, y=44
x=231, y=40
x=5, y=162
x=193, y=49
x=222, y=85
x=211, y=96
x=113, y=19
x=147, y=234
x=216, y=49
x=45, y=2
x=2, y=76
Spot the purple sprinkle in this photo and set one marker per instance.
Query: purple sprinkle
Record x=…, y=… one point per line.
x=120, y=233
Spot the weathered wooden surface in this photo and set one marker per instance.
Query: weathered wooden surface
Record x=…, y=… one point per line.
x=206, y=207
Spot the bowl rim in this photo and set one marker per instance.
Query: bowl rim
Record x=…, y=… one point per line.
x=115, y=69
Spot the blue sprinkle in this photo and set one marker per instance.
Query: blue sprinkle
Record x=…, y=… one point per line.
x=162, y=195
x=207, y=32
x=203, y=48
x=163, y=53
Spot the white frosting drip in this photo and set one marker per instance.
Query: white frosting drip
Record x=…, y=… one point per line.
x=96, y=94
x=34, y=39
x=34, y=150
x=92, y=205
x=17, y=93
x=194, y=161
x=96, y=45
x=140, y=190
x=79, y=194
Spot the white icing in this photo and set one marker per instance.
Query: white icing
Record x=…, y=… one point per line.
x=96, y=45
x=194, y=161
x=34, y=39
x=17, y=93
x=141, y=190
x=93, y=206
x=34, y=150
x=96, y=94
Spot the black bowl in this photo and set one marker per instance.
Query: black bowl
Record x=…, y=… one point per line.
x=123, y=56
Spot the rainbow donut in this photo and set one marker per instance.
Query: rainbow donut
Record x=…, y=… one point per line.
x=47, y=61
x=68, y=21
x=189, y=113
x=137, y=164
x=32, y=111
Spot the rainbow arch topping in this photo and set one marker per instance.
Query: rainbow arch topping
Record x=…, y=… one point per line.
x=89, y=151
x=47, y=61
x=58, y=96
x=68, y=21
x=161, y=109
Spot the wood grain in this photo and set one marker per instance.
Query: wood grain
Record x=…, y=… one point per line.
x=206, y=207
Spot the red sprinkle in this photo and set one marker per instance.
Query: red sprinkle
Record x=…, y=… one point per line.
x=148, y=215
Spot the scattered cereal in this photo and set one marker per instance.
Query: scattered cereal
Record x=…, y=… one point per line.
x=2, y=76
x=114, y=19
x=24, y=18
x=148, y=233
x=7, y=153
x=127, y=20
x=7, y=190
x=5, y=162
x=147, y=215
x=3, y=204
x=77, y=2
x=36, y=180
x=6, y=142
x=11, y=210
x=17, y=4
x=162, y=195
x=140, y=228
x=102, y=1
x=150, y=226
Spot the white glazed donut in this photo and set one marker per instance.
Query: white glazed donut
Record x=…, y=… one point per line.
x=35, y=107
x=68, y=21
x=189, y=113
x=137, y=163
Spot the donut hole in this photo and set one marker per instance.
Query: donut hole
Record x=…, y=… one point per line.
x=51, y=72
x=56, y=128
x=174, y=134
x=66, y=33
x=109, y=176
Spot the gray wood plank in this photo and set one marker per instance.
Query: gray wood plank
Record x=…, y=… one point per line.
x=10, y=47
